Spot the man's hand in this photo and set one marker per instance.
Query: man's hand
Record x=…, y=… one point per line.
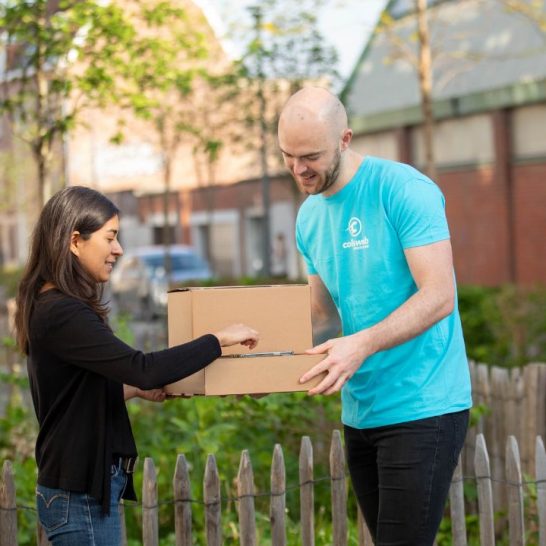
x=344, y=356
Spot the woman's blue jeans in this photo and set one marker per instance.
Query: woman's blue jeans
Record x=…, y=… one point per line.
x=71, y=519
x=401, y=475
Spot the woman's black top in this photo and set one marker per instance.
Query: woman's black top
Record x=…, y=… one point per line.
x=77, y=368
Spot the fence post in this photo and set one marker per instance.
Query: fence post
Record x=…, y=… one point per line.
x=245, y=492
x=339, y=491
x=515, y=493
x=541, y=406
x=41, y=537
x=481, y=392
x=150, y=534
x=502, y=409
x=519, y=416
x=540, y=465
x=456, y=505
x=8, y=507
x=531, y=376
x=212, y=503
x=182, y=503
x=307, y=500
x=121, y=510
x=470, y=440
x=278, y=498
x=485, y=492
x=364, y=536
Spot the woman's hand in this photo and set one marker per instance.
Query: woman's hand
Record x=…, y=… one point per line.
x=238, y=333
x=153, y=395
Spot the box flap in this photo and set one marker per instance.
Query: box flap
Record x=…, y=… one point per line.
x=180, y=324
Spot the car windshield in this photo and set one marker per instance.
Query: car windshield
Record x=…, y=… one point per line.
x=179, y=262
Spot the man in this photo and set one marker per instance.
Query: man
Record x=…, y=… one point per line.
x=375, y=239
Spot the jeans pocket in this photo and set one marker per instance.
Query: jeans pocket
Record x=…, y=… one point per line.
x=52, y=505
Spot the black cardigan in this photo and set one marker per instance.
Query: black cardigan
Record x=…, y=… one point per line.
x=77, y=368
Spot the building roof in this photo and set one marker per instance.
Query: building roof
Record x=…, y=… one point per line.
x=484, y=57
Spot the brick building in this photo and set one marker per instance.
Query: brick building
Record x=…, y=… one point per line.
x=132, y=171
x=490, y=144
x=490, y=137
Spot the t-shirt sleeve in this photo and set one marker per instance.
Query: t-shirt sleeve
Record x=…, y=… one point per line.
x=417, y=211
x=78, y=337
x=303, y=251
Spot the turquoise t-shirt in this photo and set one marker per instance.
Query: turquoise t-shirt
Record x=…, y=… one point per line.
x=355, y=240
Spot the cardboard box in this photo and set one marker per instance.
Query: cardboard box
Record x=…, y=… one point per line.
x=282, y=315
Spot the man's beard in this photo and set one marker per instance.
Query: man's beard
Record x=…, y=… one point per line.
x=332, y=173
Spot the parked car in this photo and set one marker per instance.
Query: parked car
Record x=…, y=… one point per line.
x=139, y=282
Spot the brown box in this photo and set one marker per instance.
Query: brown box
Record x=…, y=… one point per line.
x=282, y=315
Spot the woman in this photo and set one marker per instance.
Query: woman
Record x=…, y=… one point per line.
x=80, y=373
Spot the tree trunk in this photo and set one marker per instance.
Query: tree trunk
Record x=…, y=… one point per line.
x=41, y=171
x=425, y=87
x=167, y=169
x=266, y=250
x=211, y=185
x=39, y=144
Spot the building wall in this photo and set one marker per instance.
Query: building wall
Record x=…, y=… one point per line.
x=529, y=132
x=476, y=212
x=530, y=222
x=461, y=141
x=528, y=173
x=382, y=144
x=492, y=171
x=232, y=216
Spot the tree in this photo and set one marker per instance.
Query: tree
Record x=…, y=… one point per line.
x=61, y=57
x=168, y=78
x=424, y=70
x=532, y=10
x=286, y=50
x=418, y=53
x=436, y=64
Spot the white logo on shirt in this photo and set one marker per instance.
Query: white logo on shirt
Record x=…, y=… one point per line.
x=355, y=228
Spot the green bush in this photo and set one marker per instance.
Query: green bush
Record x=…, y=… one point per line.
x=504, y=326
x=9, y=279
x=224, y=427
x=18, y=430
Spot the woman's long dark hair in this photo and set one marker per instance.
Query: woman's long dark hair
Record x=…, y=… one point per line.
x=50, y=260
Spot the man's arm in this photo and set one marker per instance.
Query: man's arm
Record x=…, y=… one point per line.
x=432, y=269
x=326, y=322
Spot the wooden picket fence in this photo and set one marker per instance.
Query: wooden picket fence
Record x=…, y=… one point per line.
x=515, y=399
x=515, y=402
x=512, y=481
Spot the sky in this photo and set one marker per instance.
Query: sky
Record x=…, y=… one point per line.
x=346, y=24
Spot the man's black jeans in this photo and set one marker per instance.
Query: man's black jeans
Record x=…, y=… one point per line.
x=401, y=475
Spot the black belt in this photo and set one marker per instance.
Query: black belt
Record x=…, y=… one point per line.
x=125, y=463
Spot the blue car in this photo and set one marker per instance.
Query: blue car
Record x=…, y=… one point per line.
x=139, y=282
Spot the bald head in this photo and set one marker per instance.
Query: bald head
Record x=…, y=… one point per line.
x=314, y=106
x=314, y=141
